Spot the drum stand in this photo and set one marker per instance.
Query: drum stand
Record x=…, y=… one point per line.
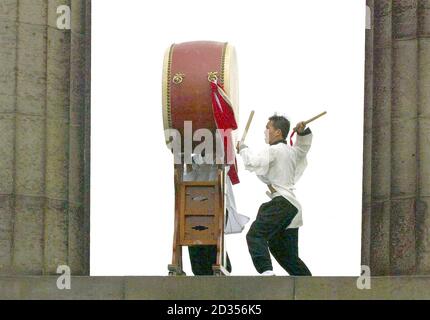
x=199, y=218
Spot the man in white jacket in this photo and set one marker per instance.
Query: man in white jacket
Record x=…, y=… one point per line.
x=276, y=226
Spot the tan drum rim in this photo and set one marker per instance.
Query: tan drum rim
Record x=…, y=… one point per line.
x=167, y=64
x=230, y=53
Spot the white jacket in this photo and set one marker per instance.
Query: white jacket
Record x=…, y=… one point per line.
x=281, y=166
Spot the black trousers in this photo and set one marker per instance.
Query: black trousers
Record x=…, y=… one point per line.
x=204, y=257
x=268, y=232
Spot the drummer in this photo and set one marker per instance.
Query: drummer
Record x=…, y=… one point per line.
x=277, y=224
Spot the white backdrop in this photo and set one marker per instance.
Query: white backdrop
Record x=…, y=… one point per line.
x=296, y=57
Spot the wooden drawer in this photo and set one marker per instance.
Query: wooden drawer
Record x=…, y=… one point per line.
x=200, y=229
x=199, y=200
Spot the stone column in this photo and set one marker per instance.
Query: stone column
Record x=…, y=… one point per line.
x=423, y=147
x=44, y=149
x=367, y=138
x=396, y=180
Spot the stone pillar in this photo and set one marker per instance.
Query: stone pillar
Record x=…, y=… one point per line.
x=367, y=138
x=423, y=147
x=396, y=168
x=45, y=127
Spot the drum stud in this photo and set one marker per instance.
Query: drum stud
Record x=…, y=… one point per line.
x=212, y=76
x=178, y=78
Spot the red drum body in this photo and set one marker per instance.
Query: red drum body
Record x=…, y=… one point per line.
x=188, y=69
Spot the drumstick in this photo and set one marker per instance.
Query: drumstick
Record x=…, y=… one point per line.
x=248, y=124
x=316, y=117
x=313, y=119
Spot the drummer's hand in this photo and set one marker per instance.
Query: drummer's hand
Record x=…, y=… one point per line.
x=300, y=127
x=240, y=146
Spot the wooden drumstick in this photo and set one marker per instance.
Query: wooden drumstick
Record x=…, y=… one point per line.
x=248, y=124
x=316, y=117
x=313, y=119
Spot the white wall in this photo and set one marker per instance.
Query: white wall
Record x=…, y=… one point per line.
x=297, y=57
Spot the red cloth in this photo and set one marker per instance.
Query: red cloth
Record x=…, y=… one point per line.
x=291, y=137
x=223, y=111
x=225, y=120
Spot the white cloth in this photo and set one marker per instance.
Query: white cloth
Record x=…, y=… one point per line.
x=206, y=172
x=236, y=221
x=281, y=166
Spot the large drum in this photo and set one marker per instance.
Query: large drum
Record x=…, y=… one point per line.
x=188, y=69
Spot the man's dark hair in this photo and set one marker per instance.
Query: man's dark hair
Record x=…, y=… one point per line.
x=281, y=123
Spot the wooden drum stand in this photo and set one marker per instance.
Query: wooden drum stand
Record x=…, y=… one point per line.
x=199, y=218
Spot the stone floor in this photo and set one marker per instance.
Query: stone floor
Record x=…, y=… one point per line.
x=214, y=288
